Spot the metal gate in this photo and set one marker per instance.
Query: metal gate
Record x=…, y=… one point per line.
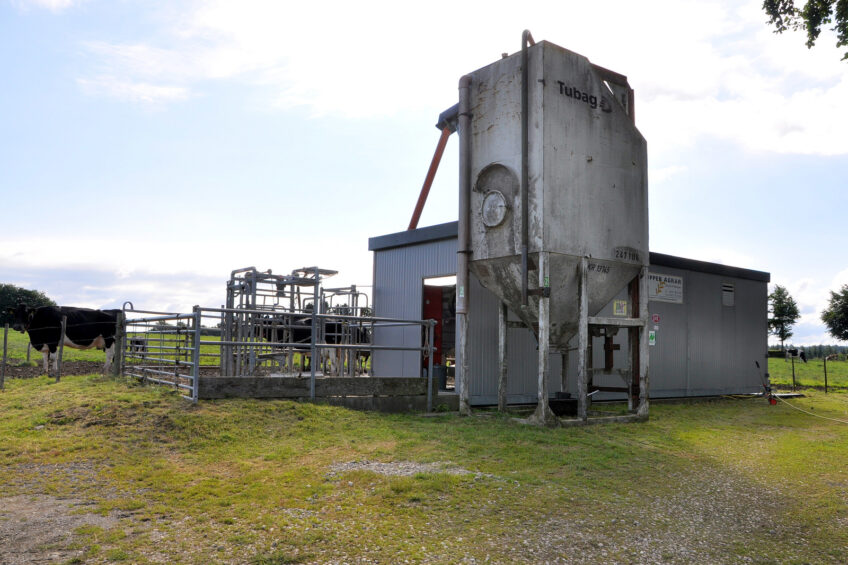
x=162, y=349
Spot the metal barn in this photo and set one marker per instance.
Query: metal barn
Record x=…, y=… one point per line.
x=707, y=325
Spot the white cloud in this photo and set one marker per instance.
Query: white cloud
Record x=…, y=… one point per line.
x=162, y=275
x=812, y=295
x=659, y=176
x=138, y=92
x=700, y=68
x=54, y=6
x=714, y=254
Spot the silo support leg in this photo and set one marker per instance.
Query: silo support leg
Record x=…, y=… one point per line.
x=642, y=410
x=502, y=357
x=563, y=373
x=543, y=414
x=463, y=381
x=582, y=340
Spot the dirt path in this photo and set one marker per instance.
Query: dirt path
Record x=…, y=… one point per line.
x=39, y=528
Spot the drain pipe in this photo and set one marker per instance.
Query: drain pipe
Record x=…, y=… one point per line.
x=526, y=38
x=463, y=251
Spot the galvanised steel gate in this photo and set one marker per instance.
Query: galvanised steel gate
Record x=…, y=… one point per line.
x=162, y=348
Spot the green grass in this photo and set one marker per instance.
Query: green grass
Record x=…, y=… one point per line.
x=810, y=374
x=253, y=479
x=16, y=350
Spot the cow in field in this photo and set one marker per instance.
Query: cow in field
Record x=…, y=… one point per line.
x=298, y=331
x=796, y=353
x=137, y=346
x=85, y=329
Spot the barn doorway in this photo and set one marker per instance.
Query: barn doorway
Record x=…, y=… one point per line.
x=439, y=303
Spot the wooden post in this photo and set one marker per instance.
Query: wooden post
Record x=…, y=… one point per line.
x=3, y=369
x=825, y=374
x=120, y=340
x=793, y=372
x=502, y=357
x=61, y=348
x=29, y=348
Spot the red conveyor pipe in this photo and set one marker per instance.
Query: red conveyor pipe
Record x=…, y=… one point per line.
x=428, y=181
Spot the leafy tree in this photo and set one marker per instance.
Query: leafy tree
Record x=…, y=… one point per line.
x=784, y=15
x=11, y=296
x=784, y=314
x=835, y=316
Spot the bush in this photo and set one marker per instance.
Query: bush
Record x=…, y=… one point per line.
x=11, y=296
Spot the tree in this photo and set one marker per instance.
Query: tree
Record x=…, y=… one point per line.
x=784, y=314
x=784, y=15
x=11, y=296
x=835, y=316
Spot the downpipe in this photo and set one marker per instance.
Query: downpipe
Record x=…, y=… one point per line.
x=463, y=239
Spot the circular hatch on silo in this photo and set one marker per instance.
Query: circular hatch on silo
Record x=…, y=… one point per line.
x=493, y=210
x=498, y=186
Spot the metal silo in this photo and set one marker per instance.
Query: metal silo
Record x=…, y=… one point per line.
x=554, y=198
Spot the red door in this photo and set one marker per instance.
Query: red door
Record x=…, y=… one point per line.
x=432, y=309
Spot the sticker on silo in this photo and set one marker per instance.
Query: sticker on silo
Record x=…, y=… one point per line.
x=665, y=288
x=619, y=308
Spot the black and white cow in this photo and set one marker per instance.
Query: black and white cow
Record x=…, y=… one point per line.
x=796, y=353
x=284, y=329
x=137, y=346
x=298, y=331
x=85, y=329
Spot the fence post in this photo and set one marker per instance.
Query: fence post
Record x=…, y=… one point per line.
x=793, y=373
x=430, y=330
x=120, y=340
x=195, y=355
x=825, y=374
x=312, y=346
x=3, y=369
x=61, y=348
x=29, y=348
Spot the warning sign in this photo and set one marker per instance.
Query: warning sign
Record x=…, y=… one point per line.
x=665, y=288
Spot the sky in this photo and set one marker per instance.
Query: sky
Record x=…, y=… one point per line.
x=149, y=148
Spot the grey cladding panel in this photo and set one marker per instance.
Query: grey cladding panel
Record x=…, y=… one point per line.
x=400, y=272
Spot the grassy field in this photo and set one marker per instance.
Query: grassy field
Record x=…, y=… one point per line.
x=272, y=482
x=810, y=374
x=16, y=351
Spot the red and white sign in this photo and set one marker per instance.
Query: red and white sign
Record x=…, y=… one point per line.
x=655, y=318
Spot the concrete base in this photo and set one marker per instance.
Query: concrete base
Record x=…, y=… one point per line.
x=382, y=394
x=394, y=404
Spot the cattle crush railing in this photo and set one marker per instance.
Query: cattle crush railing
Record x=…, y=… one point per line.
x=179, y=349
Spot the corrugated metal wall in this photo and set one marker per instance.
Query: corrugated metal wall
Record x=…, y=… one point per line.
x=400, y=274
x=398, y=285
x=702, y=347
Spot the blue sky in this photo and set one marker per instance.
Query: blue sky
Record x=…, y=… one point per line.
x=149, y=148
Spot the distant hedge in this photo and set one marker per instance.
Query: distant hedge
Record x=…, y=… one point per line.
x=11, y=296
